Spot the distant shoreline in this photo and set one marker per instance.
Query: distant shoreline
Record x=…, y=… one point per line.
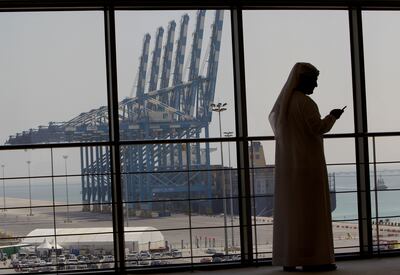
x=17, y=203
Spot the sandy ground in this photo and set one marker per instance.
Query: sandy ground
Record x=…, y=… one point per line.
x=17, y=222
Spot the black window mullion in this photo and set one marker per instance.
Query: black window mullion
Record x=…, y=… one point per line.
x=360, y=126
x=113, y=123
x=242, y=133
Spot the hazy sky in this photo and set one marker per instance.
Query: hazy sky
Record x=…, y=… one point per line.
x=53, y=68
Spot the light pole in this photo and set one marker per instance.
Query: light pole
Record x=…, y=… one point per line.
x=30, y=189
x=229, y=134
x=4, y=190
x=220, y=107
x=67, y=220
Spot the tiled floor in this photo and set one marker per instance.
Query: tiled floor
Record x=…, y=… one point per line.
x=382, y=266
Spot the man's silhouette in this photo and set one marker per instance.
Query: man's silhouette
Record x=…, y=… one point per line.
x=302, y=214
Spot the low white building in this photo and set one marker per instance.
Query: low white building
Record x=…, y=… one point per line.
x=97, y=238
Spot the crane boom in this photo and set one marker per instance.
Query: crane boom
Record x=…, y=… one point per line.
x=179, y=60
x=167, y=58
x=155, y=62
x=212, y=68
x=180, y=50
x=190, y=97
x=143, y=66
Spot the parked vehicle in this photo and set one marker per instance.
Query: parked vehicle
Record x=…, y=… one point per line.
x=176, y=253
x=167, y=254
x=218, y=257
x=72, y=264
x=210, y=251
x=156, y=255
x=205, y=260
x=144, y=255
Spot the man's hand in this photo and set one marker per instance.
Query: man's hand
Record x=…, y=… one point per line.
x=336, y=113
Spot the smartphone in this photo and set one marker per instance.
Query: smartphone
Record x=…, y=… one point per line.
x=344, y=108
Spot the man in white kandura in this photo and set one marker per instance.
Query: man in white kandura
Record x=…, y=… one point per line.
x=302, y=213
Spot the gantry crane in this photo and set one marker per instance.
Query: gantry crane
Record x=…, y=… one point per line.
x=166, y=107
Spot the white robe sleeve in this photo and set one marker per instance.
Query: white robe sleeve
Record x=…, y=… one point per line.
x=313, y=119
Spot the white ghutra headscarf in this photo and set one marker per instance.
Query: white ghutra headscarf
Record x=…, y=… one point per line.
x=279, y=112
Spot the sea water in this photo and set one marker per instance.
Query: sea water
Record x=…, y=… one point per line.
x=388, y=201
x=385, y=204
x=44, y=191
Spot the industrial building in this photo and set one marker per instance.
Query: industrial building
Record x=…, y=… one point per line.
x=96, y=239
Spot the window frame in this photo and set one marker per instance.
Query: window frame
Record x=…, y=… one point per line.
x=242, y=138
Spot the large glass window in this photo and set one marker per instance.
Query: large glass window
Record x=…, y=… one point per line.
x=189, y=204
x=321, y=38
x=276, y=40
x=176, y=82
x=384, y=192
x=181, y=185
x=380, y=49
x=52, y=77
x=55, y=202
x=55, y=205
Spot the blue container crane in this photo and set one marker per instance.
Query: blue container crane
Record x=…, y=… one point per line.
x=168, y=111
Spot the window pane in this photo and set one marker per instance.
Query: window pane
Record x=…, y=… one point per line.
x=346, y=206
x=387, y=223
x=148, y=246
x=26, y=163
x=171, y=66
x=263, y=240
x=346, y=237
x=385, y=188
x=387, y=149
x=318, y=37
x=58, y=195
x=214, y=242
x=52, y=77
x=339, y=151
x=381, y=68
